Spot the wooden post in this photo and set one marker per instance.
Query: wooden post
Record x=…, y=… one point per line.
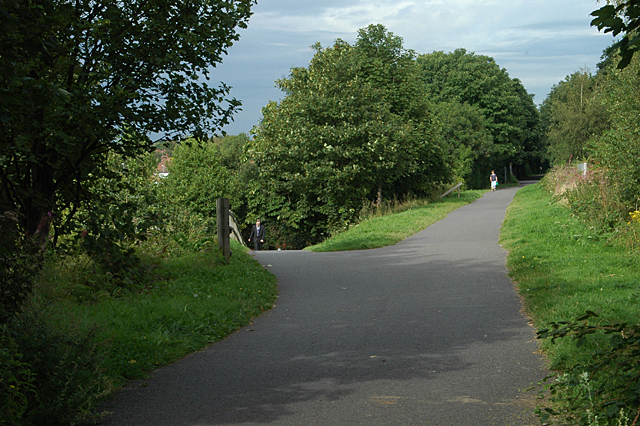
x=222, y=214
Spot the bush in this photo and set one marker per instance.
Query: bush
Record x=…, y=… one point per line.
x=606, y=387
x=593, y=198
x=16, y=381
x=596, y=200
x=19, y=266
x=62, y=363
x=560, y=179
x=110, y=225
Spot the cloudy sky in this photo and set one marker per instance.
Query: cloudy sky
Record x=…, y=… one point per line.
x=539, y=42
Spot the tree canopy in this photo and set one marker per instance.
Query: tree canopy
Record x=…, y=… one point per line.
x=468, y=140
x=353, y=126
x=82, y=78
x=572, y=114
x=617, y=148
x=511, y=116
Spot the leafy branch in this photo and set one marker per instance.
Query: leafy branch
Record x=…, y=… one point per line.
x=621, y=19
x=612, y=369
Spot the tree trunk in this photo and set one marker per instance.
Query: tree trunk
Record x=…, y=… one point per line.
x=39, y=207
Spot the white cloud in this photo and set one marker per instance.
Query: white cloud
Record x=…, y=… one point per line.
x=538, y=41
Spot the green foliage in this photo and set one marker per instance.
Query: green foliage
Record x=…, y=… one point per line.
x=572, y=115
x=621, y=18
x=593, y=198
x=510, y=115
x=618, y=149
x=19, y=266
x=196, y=180
x=351, y=128
x=231, y=150
x=74, y=88
x=469, y=141
x=16, y=381
x=607, y=383
x=598, y=116
x=61, y=366
x=118, y=216
x=187, y=197
x=596, y=200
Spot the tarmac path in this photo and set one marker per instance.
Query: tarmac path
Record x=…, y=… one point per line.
x=429, y=331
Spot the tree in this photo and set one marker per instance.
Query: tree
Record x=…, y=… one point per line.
x=79, y=79
x=231, y=149
x=470, y=144
x=618, y=148
x=511, y=116
x=197, y=178
x=621, y=17
x=572, y=114
x=353, y=126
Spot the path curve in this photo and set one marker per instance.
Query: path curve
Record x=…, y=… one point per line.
x=429, y=331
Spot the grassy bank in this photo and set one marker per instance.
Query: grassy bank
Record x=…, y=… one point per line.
x=402, y=222
x=195, y=302
x=80, y=344
x=564, y=268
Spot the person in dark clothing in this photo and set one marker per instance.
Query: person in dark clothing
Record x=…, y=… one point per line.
x=257, y=235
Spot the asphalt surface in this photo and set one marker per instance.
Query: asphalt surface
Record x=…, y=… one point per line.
x=427, y=332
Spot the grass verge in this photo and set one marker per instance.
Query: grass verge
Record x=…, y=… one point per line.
x=386, y=230
x=563, y=267
x=195, y=301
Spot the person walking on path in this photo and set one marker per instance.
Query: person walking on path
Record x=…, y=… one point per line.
x=257, y=235
x=494, y=180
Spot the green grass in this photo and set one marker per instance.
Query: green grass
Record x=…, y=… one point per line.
x=386, y=230
x=563, y=268
x=195, y=302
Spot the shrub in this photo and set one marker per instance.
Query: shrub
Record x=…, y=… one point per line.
x=607, y=384
x=16, y=381
x=593, y=198
x=560, y=179
x=596, y=200
x=63, y=363
x=19, y=266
